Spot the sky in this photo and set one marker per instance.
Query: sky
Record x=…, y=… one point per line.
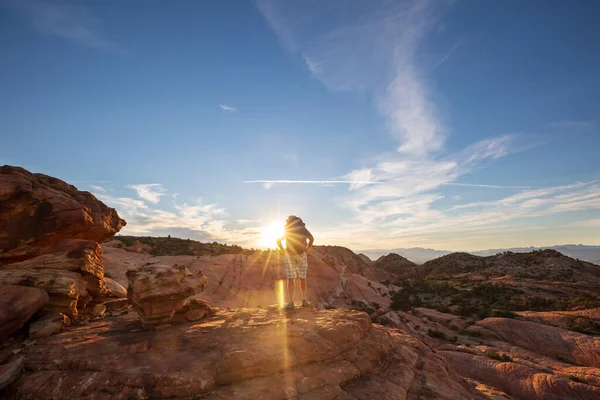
x=457, y=125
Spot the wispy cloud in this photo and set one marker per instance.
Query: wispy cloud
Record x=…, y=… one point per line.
x=398, y=195
x=98, y=188
x=70, y=21
x=150, y=191
x=197, y=220
x=227, y=108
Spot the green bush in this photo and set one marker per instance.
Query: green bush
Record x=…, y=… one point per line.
x=575, y=379
x=500, y=357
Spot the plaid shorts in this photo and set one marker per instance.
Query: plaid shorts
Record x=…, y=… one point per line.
x=296, y=265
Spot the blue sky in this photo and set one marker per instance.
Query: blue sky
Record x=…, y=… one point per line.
x=461, y=125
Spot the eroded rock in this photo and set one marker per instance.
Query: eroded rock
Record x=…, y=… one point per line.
x=38, y=211
x=157, y=292
x=241, y=354
x=52, y=322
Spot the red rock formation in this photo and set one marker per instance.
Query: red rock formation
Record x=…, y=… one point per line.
x=17, y=305
x=38, y=211
x=157, y=292
x=241, y=354
x=67, y=277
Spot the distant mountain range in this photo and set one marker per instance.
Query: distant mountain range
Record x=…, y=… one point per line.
x=420, y=255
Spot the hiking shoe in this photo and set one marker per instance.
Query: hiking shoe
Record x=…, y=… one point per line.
x=290, y=305
x=305, y=303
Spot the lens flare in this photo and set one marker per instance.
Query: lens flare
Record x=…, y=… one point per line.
x=270, y=233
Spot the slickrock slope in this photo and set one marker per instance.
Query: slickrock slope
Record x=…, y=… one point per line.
x=241, y=354
x=38, y=211
x=573, y=347
x=256, y=280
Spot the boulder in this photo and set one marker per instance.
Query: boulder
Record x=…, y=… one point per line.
x=11, y=371
x=243, y=354
x=115, y=288
x=52, y=322
x=17, y=305
x=99, y=311
x=157, y=292
x=40, y=210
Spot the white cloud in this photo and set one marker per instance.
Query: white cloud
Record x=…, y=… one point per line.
x=98, y=188
x=227, y=108
x=150, y=191
x=394, y=197
x=267, y=184
x=125, y=204
x=69, y=21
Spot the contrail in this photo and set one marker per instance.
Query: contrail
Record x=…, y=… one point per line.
x=273, y=182
x=485, y=186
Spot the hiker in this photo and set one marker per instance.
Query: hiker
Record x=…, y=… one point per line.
x=296, y=248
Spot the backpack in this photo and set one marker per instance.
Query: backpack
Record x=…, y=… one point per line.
x=295, y=235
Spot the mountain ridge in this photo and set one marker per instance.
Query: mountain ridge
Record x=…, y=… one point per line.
x=421, y=255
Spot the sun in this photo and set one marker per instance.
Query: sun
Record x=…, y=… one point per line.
x=270, y=233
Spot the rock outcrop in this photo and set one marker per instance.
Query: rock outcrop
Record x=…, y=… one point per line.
x=17, y=305
x=157, y=292
x=38, y=211
x=50, y=323
x=256, y=280
x=67, y=277
x=242, y=354
x=11, y=371
x=576, y=348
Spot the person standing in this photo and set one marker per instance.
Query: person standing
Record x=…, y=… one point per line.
x=298, y=242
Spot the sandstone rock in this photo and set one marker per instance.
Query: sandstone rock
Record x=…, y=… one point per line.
x=48, y=324
x=258, y=279
x=115, y=288
x=195, y=309
x=158, y=292
x=81, y=256
x=17, y=305
x=99, y=311
x=64, y=288
x=10, y=372
x=241, y=354
x=518, y=380
x=68, y=277
x=575, y=348
x=116, y=304
x=40, y=210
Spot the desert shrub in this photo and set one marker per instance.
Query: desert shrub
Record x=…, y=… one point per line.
x=493, y=354
x=434, y=333
x=581, y=325
x=502, y=314
x=453, y=340
x=575, y=379
x=470, y=333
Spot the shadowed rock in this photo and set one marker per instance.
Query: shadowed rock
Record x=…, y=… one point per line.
x=17, y=305
x=38, y=211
